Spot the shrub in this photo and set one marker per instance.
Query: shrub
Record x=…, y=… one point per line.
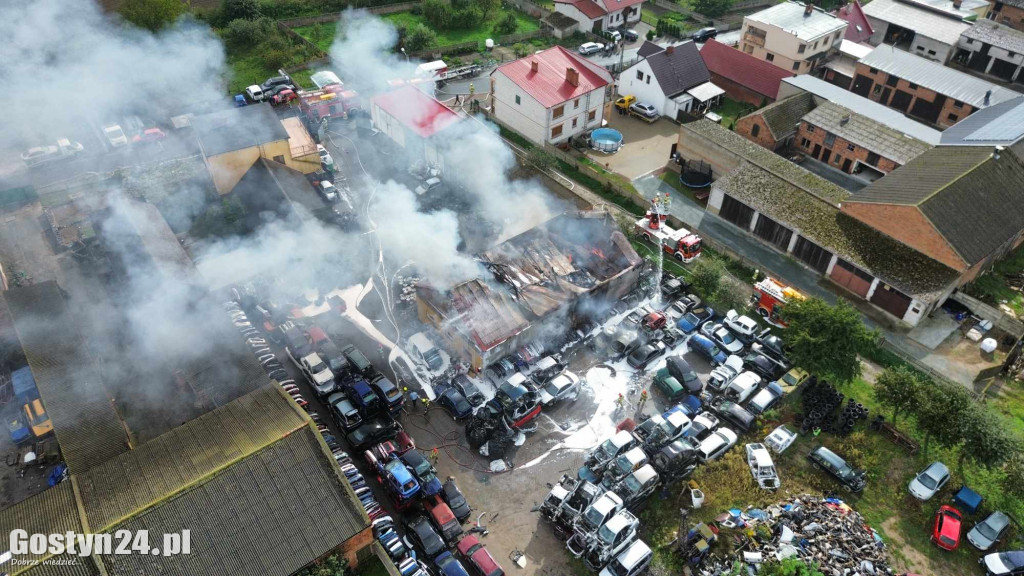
x=275, y=58
x=151, y=14
x=245, y=9
x=420, y=38
x=520, y=50
x=651, y=35
x=507, y=25
x=242, y=33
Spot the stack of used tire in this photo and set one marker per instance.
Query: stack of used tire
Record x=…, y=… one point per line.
x=852, y=412
x=820, y=399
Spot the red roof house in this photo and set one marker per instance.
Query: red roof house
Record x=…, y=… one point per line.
x=859, y=30
x=549, y=96
x=412, y=109
x=742, y=76
x=595, y=15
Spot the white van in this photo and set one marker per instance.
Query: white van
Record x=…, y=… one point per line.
x=631, y=561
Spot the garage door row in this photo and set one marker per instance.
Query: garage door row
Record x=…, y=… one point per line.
x=844, y=273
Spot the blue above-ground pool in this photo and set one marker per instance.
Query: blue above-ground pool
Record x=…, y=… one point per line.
x=606, y=140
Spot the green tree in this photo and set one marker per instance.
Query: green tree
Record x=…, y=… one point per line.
x=520, y=49
x=1013, y=481
x=712, y=8
x=986, y=441
x=707, y=275
x=541, y=159
x=826, y=340
x=507, y=24
x=488, y=7
x=789, y=567
x=730, y=296
x=152, y=14
x=333, y=565
x=420, y=38
x=247, y=9
x=244, y=33
x=898, y=388
x=941, y=414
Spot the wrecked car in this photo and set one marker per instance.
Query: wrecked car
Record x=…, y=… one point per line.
x=762, y=467
x=600, y=457
x=623, y=465
x=677, y=460
x=636, y=487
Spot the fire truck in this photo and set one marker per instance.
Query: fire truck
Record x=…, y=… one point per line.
x=332, y=101
x=682, y=244
x=770, y=297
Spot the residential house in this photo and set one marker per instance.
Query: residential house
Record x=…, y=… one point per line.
x=673, y=79
x=799, y=213
x=841, y=69
x=928, y=28
x=792, y=35
x=414, y=122
x=1008, y=12
x=923, y=88
x=742, y=76
x=233, y=140
x=550, y=96
x=992, y=48
x=774, y=126
x=859, y=30
x=600, y=15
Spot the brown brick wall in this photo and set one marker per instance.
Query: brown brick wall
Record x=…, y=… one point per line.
x=740, y=92
x=745, y=128
x=908, y=225
x=1009, y=15
x=839, y=148
x=949, y=108
x=357, y=548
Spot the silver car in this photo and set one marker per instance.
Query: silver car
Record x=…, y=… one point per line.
x=591, y=48
x=644, y=109
x=986, y=533
x=929, y=481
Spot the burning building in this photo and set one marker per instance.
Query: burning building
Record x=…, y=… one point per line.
x=543, y=281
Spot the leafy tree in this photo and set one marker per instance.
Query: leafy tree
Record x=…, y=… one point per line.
x=651, y=35
x=825, y=340
x=712, y=8
x=541, y=159
x=333, y=565
x=986, y=441
x=507, y=24
x=152, y=14
x=244, y=33
x=707, y=275
x=246, y=9
x=729, y=297
x=420, y=38
x=1013, y=481
x=899, y=388
x=488, y=7
x=520, y=49
x=941, y=414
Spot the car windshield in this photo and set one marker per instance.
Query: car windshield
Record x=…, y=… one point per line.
x=726, y=337
x=319, y=367
x=606, y=450
x=789, y=378
x=369, y=398
x=422, y=468
x=713, y=350
x=632, y=484
x=985, y=529
x=606, y=535
x=690, y=319
x=617, y=569
x=947, y=540
x=927, y=481
x=594, y=517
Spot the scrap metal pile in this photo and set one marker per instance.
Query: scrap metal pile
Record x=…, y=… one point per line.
x=823, y=531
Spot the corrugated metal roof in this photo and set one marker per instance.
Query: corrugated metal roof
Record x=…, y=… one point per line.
x=934, y=76
x=173, y=462
x=87, y=427
x=269, y=514
x=548, y=85
x=746, y=70
x=996, y=34
x=416, y=111
x=866, y=132
x=51, y=512
x=865, y=107
x=790, y=17
x=926, y=22
x=999, y=125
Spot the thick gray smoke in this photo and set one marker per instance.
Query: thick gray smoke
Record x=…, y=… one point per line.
x=67, y=66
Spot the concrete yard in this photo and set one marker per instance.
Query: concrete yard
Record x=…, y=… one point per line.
x=646, y=146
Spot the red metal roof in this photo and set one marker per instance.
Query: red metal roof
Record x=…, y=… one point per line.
x=597, y=8
x=853, y=14
x=548, y=84
x=417, y=111
x=760, y=76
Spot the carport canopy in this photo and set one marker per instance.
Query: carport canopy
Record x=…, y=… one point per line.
x=705, y=92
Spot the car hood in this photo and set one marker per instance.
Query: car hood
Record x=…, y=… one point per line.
x=920, y=491
x=977, y=540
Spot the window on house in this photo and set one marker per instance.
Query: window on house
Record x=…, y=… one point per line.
x=748, y=48
x=969, y=41
x=810, y=128
x=1011, y=54
x=836, y=159
x=574, y=122
x=518, y=101
x=591, y=115
x=958, y=104
x=755, y=130
x=556, y=131
x=849, y=147
x=279, y=159
x=873, y=70
x=796, y=65
x=639, y=75
x=892, y=80
x=576, y=103
x=557, y=112
x=912, y=86
x=648, y=78
x=815, y=45
x=805, y=142
x=801, y=49
x=830, y=139
x=919, y=48
x=952, y=117
x=769, y=57
x=931, y=52
x=873, y=159
x=836, y=38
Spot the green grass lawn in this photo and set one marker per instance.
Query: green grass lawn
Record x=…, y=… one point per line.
x=993, y=288
x=326, y=37
x=478, y=34
x=372, y=567
x=731, y=109
x=301, y=77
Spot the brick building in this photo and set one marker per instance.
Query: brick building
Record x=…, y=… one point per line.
x=1007, y=12
x=774, y=126
x=922, y=88
x=742, y=76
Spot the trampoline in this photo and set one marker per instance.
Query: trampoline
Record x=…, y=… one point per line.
x=695, y=174
x=606, y=140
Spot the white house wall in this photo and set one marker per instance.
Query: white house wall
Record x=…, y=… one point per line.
x=387, y=124
x=646, y=90
x=528, y=117
x=591, y=101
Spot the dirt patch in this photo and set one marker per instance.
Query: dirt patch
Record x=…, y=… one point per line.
x=906, y=558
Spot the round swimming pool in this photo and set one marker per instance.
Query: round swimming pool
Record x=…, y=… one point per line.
x=606, y=140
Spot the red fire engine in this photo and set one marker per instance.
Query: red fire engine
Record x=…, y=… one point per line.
x=682, y=244
x=332, y=101
x=770, y=297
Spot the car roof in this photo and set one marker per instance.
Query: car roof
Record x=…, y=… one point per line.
x=622, y=438
x=399, y=471
x=413, y=456
x=677, y=419
x=937, y=468
x=634, y=554
x=645, y=473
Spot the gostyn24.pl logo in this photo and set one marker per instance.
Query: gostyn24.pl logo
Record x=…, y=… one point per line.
x=121, y=542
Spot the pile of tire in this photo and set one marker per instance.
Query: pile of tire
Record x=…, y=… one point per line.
x=820, y=399
x=852, y=412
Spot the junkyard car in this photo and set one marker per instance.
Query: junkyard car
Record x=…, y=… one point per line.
x=318, y=374
x=929, y=481
x=986, y=533
x=742, y=386
x=765, y=398
x=703, y=424
x=678, y=367
x=478, y=558
x=453, y=497
x=734, y=414
x=742, y=326
x=1003, y=563
x=455, y=403
x=705, y=347
x=765, y=366
x=660, y=429
x=423, y=471
x=721, y=336
x=448, y=565
x=424, y=536
x=344, y=412
x=677, y=460
x=469, y=390
x=623, y=465
x=600, y=457
x=946, y=532
x=718, y=443
x=372, y=432
x=443, y=518
x=780, y=439
x=644, y=355
x=564, y=386
x=638, y=485
x=632, y=561
x=668, y=385
x=850, y=478
x=762, y=467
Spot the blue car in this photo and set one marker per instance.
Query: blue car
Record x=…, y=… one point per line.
x=449, y=566
x=455, y=403
x=398, y=479
x=365, y=399
x=703, y=345
x=690, y=406
x=692, y=320
x=423, y=471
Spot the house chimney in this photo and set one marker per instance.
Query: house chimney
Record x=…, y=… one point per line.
x=997, y=151
x=572, y=76
x=957, y=3
x=534, y=66
x=844, y=120
x=988, y=96
x=808, y=8
x=670, y=50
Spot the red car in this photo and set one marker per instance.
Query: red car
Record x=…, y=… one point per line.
x=149, y=135
x=946, y=533
x=405, y=442
x=282, y=97
x=478, y=558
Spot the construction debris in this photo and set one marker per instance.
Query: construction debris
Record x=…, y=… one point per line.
x=823, y=531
